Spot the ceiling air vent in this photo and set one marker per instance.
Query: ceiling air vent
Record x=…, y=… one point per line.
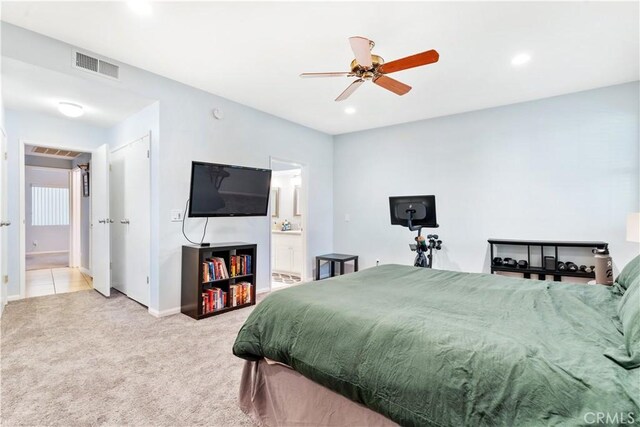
x=95, y=65
x=108, y=69
x=86, y=62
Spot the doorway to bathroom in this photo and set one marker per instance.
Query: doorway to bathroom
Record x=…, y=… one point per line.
x=288, y=218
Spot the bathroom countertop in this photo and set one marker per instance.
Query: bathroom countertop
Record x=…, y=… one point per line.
x=294, y=232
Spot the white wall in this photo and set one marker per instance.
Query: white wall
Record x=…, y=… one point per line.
x=136, y=126
x=189, y=132
x=44, y=238
x=563, y=168
x=47, y=162
x=38, y=128
x=286, y=182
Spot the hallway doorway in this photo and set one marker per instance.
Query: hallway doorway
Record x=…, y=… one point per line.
x=56, y=221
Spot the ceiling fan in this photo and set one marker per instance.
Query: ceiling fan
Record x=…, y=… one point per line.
x=368, y=66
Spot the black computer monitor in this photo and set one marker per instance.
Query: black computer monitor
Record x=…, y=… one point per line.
x=421, y=208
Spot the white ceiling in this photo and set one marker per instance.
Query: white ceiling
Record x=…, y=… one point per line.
x=32, y=88
x=253, y=52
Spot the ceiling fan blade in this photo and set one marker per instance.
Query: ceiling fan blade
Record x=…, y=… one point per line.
x=362, y=50
x=391, y=84
x=424, y=58
x=349, y=90
x=336, y=74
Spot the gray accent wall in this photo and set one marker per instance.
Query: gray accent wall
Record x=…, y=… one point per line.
x=562, y=168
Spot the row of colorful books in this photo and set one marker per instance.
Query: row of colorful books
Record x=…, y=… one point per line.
x=240, y=265
x=239, y=294
x=214, y=269
x=213, y=299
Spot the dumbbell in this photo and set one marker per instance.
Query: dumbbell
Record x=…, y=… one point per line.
x=438, y=244
x=510, y=262
x=523, y=263
x=571, y=266
x=562, y=266
x=590, y=269
x=497, y=261
x=583, y=268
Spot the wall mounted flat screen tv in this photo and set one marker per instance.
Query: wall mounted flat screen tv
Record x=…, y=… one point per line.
x=226, y=190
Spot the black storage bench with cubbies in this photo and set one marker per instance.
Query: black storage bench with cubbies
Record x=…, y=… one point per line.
x=548, y=250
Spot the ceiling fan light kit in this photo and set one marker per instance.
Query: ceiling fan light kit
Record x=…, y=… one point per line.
x=369, y=66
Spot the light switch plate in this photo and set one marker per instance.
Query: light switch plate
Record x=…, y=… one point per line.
x=176, y=215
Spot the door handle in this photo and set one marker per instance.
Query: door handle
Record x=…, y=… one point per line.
x=5, y=223
x=110, y=221
x=102, y=221
x=124, y=221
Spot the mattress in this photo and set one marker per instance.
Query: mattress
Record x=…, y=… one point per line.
x=429, y=347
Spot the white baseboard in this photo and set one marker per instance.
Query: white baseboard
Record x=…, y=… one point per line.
x=47, y=252
x=13, y=297
x=85, y=271
x=164, y=313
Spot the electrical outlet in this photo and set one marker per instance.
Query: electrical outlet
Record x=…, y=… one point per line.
x=176, y=215
x=34, y=243
x=6, y=278
x=377, y=262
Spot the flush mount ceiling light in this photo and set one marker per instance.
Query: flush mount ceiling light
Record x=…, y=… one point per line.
x=140, y=7
x=70, y=109
x=350, y=110
x=520, y=59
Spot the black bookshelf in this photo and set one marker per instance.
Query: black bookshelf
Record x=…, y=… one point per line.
x=193, y=283
x=540, y=270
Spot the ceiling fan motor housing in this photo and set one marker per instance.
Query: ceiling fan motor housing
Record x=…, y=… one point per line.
x=365, y=73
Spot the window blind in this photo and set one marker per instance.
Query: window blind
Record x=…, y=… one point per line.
x=49, y=206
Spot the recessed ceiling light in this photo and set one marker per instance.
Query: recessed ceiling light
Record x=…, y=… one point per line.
x=350, y=110
x=520, y=59
x=140, y=7
x=70, y=110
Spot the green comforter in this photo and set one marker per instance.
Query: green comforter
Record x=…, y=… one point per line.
x=429, y=347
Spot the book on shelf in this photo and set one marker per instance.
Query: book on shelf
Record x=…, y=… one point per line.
x=239, y=294
x=214, y=269
x=240, y=265
x=213, y=299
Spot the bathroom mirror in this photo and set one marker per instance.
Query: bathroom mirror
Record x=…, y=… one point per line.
x=275, y=201
x=296, y=201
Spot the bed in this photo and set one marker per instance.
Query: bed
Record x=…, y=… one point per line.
x=431, y=347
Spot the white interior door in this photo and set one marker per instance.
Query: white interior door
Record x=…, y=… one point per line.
x=137, y=220
x=3, y=220
x=100, y=222
x=117, y=191
x=130, y=199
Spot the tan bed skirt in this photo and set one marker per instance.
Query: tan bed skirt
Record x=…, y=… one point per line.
x=275, y=395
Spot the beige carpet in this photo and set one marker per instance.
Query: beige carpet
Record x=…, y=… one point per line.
x=80, y=359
